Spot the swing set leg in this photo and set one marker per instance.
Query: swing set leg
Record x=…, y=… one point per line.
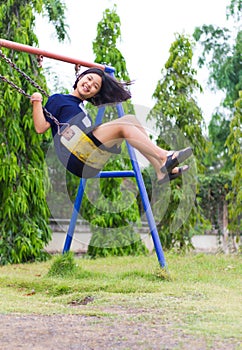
x=76, y=210
x=144, y=197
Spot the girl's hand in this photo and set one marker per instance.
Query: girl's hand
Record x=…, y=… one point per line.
x=36, y=97
x=40, y=123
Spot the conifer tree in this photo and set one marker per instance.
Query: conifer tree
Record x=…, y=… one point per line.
x=115, y=213
x=24, y=214
x=222, y=54
x=234, y=143
x=179, y=122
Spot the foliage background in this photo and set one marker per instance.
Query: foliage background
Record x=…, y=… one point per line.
x=24, y=230
x=24, y=184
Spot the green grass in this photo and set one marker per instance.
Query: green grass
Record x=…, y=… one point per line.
x=202, y=295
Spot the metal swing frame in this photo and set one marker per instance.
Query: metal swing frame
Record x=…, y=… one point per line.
x=136, y=172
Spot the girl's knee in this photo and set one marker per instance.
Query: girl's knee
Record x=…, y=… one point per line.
x=130, y=117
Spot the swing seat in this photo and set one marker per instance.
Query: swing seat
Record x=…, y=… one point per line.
x=83, y=147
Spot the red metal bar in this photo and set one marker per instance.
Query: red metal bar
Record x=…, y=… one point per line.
x=36, y=51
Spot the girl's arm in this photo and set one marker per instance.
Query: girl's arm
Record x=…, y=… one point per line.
x=40, y=123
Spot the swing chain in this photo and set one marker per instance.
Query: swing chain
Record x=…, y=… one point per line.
x=14, y=86
x=56, y=121
x=31, y=81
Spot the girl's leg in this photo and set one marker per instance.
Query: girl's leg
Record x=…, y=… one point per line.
x=129, y=128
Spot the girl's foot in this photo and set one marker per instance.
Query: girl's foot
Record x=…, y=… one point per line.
x=176, y=172
x=174, y=159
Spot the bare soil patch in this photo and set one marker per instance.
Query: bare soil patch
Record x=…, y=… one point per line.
x=126, y=329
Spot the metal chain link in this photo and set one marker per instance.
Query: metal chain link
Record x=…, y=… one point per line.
x=31, y=81
x=56, y=121
x=14, y=86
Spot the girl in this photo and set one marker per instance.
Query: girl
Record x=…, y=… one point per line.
x=84, y=148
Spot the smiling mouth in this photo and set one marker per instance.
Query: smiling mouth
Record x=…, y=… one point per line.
x=85, y=88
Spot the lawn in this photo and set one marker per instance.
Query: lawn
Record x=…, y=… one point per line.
x=201, y=296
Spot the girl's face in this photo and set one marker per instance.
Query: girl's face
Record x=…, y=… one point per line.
x=88, y=86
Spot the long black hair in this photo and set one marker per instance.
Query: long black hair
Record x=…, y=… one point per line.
x=112, y=91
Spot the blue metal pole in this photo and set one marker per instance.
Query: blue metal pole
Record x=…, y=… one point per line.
x=74, y=217
x=99, y=116
x=79, y=197
x=145, y=200
x=117, y=173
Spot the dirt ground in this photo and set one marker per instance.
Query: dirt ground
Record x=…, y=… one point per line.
x=127, y=329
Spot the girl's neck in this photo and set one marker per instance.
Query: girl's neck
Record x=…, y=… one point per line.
x=76, y=94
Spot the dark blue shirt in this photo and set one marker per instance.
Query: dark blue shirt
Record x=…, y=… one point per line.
x=64, y=108
x=69, y=109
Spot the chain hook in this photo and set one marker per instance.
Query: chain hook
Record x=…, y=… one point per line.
x=40, y=59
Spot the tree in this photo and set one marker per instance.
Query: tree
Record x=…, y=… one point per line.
x=104, y=47
x=24, y=229
x=234, y=196
x=114, y=213
x=179, y=122
x=222, y=53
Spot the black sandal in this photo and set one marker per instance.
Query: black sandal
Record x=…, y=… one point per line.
x=171, y=176
x=171, y=163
